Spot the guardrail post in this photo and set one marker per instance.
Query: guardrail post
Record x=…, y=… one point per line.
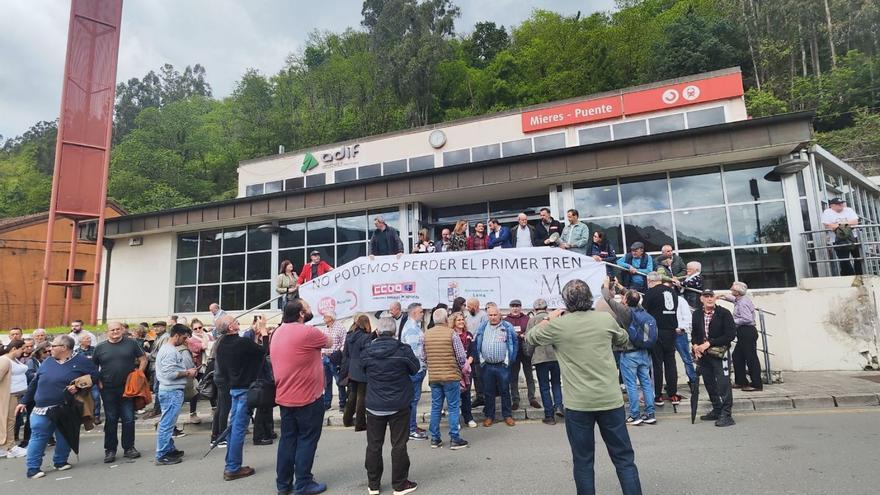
x=768, y=374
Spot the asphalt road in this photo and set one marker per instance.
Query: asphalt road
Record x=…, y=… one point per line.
x=807, y=452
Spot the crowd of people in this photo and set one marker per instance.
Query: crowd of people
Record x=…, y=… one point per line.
x=471, y=354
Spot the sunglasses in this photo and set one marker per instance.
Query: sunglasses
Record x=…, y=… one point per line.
x=197, y=328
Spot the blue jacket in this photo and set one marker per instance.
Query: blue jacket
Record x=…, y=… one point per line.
x=388, y=364
x=512, y=344
x=500, y=238
x=636, y=280
x=48, y=388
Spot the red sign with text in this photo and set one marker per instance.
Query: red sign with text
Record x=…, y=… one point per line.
x=679, y=95
x=572, y=113
x=649, y=100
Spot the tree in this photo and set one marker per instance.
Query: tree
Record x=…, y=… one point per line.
x=485, y=43
x=761, y=103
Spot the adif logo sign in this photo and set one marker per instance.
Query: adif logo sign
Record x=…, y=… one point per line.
x=391, y=289
x=309, y=162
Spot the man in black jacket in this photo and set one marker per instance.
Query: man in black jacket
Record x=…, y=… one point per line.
x=238, y=363
x=662, y=303
x=713, y=328
x=546, y=228
x=385, y=239
x=388, y=364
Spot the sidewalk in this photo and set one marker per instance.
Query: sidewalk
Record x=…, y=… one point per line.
x=800, y=390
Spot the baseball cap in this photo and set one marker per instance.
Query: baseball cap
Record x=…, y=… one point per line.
x=708, y=292
x=636, y=245
x=314, y=252
x=515, y=302
x=836, y=201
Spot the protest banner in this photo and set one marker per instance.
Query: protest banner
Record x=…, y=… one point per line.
x=497, y=275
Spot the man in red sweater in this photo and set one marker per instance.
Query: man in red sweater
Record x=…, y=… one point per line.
x=314, y=269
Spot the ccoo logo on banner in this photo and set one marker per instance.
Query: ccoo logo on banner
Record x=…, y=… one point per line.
x=498, y=275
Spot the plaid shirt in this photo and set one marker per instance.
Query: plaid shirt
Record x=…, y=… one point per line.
x=338, y=333
x=494, y=345
x=707, y=318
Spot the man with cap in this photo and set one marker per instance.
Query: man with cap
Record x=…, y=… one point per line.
x=637, y=266
x=713, y=331
x=840, y=219
x=314, y=268
x=520, y=321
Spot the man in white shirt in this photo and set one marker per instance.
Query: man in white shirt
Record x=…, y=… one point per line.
x=523, y=233
x=840, y=219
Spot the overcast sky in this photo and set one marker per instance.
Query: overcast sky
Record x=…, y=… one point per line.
x=225, y=36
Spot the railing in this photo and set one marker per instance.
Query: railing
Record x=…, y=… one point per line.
x=768, y=376
x=823, y=258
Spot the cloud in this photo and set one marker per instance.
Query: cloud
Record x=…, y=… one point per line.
x=225, y=36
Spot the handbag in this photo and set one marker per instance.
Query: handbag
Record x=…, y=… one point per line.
x=336, y=357
x=261, y=394
x=718, y=351
x=206, y=388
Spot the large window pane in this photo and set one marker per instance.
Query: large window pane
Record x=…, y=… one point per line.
x=456, y=157
x=209, y=270
x=186, y=272
x=295, y=256
x=274, y=186
x=345, y=175
x=259, y=266
x=232, y=297
x=487, y=152
x=654, y=230
x=234, y=241
x=370, y=171
x=743, y=184
x=351, y=228
x=320, y=230
x=316, y=180
x=596, y=200
x=550, y=142
x=630, y=129
x=717, y=267
x=327, y=253
x=700, y=189
x=294, y=183
x=185, y=300
x=210, y=243
x=292, y=234
x=701, y=228
x=769, y=267
x=513, y=207
x=233, y=268
x=207, y=295
x=350, y=252
x=611, y=228
x=645, y=195
x=518, y=147
x=594, y=135
x=666, y=123
x=709, y=116
x=188, y=245
x=394, y=167
x=257, y=293
x=421, y=163
x=762, y=223
x=258, y=240
x=253, y=190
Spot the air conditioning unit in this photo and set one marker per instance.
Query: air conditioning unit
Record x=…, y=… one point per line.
x=135, y=241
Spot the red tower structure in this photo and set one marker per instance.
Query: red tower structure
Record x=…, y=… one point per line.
x=82, y=151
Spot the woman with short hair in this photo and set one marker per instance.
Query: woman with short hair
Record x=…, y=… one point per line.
x=286, y=284
x=745, y=354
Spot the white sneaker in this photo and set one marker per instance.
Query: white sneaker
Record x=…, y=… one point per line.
x=16, y=452
x=4, y=452
x=472, y=424
x=194, y=419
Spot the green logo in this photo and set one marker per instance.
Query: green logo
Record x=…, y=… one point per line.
x=309, y=162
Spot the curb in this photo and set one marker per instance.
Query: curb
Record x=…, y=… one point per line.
x=740, y=405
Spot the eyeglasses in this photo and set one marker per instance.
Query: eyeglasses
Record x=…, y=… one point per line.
x=197, y=328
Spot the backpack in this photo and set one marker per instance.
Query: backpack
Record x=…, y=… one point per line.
x=642, y=329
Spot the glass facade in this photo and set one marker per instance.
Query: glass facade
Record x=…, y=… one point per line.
x=234, y=267
x=732, y=219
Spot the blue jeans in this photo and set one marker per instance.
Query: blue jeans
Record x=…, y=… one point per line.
x=42, y=429
x=496, y=378
x=451, y=392
x=331, y=374
x=239, y=417
x=549, y=381
x=300, y=432
x=417, y=381
x=684, y=350
x=170, y=401
x=633, y=365
x=96, y=398
x=117, y=408
x=580, y=428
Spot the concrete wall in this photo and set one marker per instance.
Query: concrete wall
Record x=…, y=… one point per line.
x=140, y=279
x=822, y=325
